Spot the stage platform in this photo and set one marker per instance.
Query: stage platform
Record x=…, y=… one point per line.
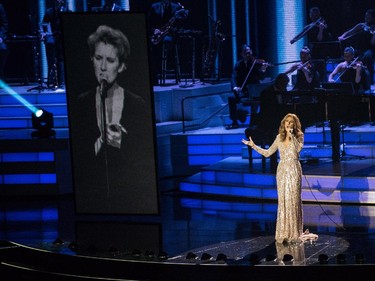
x=214, y=208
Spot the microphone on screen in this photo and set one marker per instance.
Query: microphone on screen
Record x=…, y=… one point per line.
x=103, y=88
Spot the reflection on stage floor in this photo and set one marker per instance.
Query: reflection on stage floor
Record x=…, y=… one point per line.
x=240, y=229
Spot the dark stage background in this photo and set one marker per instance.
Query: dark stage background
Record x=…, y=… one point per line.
x=23, y=20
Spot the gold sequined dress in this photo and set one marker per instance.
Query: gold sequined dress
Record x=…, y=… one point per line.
x=289, y=224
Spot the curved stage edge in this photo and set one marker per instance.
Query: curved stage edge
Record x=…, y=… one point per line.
x=243, y=262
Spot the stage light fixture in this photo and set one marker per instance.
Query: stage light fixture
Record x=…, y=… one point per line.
x=341, y=259
x=113, y=251
x=73, y=246
x=149, y=254
x=221, y=257
x=136, y=253
x=42, y=122
x=323, y=259
x=206, y=257
x=270, y=257
x=58, y=241
x=162, y=255
x=359, y=259
x=254, y=259
x=191, y=256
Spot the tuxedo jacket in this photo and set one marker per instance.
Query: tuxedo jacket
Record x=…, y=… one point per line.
x=115, y=176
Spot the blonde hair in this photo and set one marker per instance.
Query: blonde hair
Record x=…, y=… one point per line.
x=297, y=126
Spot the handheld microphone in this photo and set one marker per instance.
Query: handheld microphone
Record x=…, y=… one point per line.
x=103, y=88
x=291, y=132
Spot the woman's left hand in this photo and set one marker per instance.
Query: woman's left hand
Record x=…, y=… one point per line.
x=248, y=142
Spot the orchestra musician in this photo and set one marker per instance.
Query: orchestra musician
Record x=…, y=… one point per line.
x=316, y=30
x=247, y=70
x=165, y=17
x=307, y=77
x=53, y=43
x=351, y=70
x=363, y=39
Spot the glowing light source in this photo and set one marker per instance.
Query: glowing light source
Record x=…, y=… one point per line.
x=42, y=121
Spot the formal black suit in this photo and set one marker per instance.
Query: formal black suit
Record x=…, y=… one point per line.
x=116, y=179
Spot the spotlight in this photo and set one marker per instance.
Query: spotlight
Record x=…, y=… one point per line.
x=206, y=257
x=221, y=257
x=270, y=257
x=149, y=254
x=136, y=253
x=191, y=256
x=359, y=258
x=58, y=241
x=341, y=259
x=113, y=251
x=323, y=259
x=42, y=122
x=254, y=259
x=162, y=255
x=73, y=246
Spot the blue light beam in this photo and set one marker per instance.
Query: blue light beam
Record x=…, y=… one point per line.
x=18, y=97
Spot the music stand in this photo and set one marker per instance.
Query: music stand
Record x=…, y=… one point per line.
x=326, y=50
x=342, y=94
x=342, y=88
x=45, y=29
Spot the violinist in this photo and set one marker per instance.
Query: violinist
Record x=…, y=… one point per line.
x=316, y=31
x=351, y=70
x=307, y=77
x=362, y=36
x=247, y=70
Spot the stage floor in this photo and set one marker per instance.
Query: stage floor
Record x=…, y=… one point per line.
x=204, y=226
x=241, y=229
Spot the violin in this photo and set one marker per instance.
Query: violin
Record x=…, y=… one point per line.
x=370, y=29
x=355, y=64
x=321, y=23
x=263, y=62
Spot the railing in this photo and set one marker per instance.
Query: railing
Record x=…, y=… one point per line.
x=205, y=120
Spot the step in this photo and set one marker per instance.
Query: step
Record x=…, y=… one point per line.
x=319, y=151
x=33, y=97
x=25, y=134
x=268, y=211
x=22, y=111
x=232, y=177
x=34, y=166
x=25, y=122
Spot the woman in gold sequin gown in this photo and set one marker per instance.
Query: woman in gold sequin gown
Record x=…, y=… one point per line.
x=289, y=143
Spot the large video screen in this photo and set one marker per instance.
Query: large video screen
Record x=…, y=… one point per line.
x=111, y=113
